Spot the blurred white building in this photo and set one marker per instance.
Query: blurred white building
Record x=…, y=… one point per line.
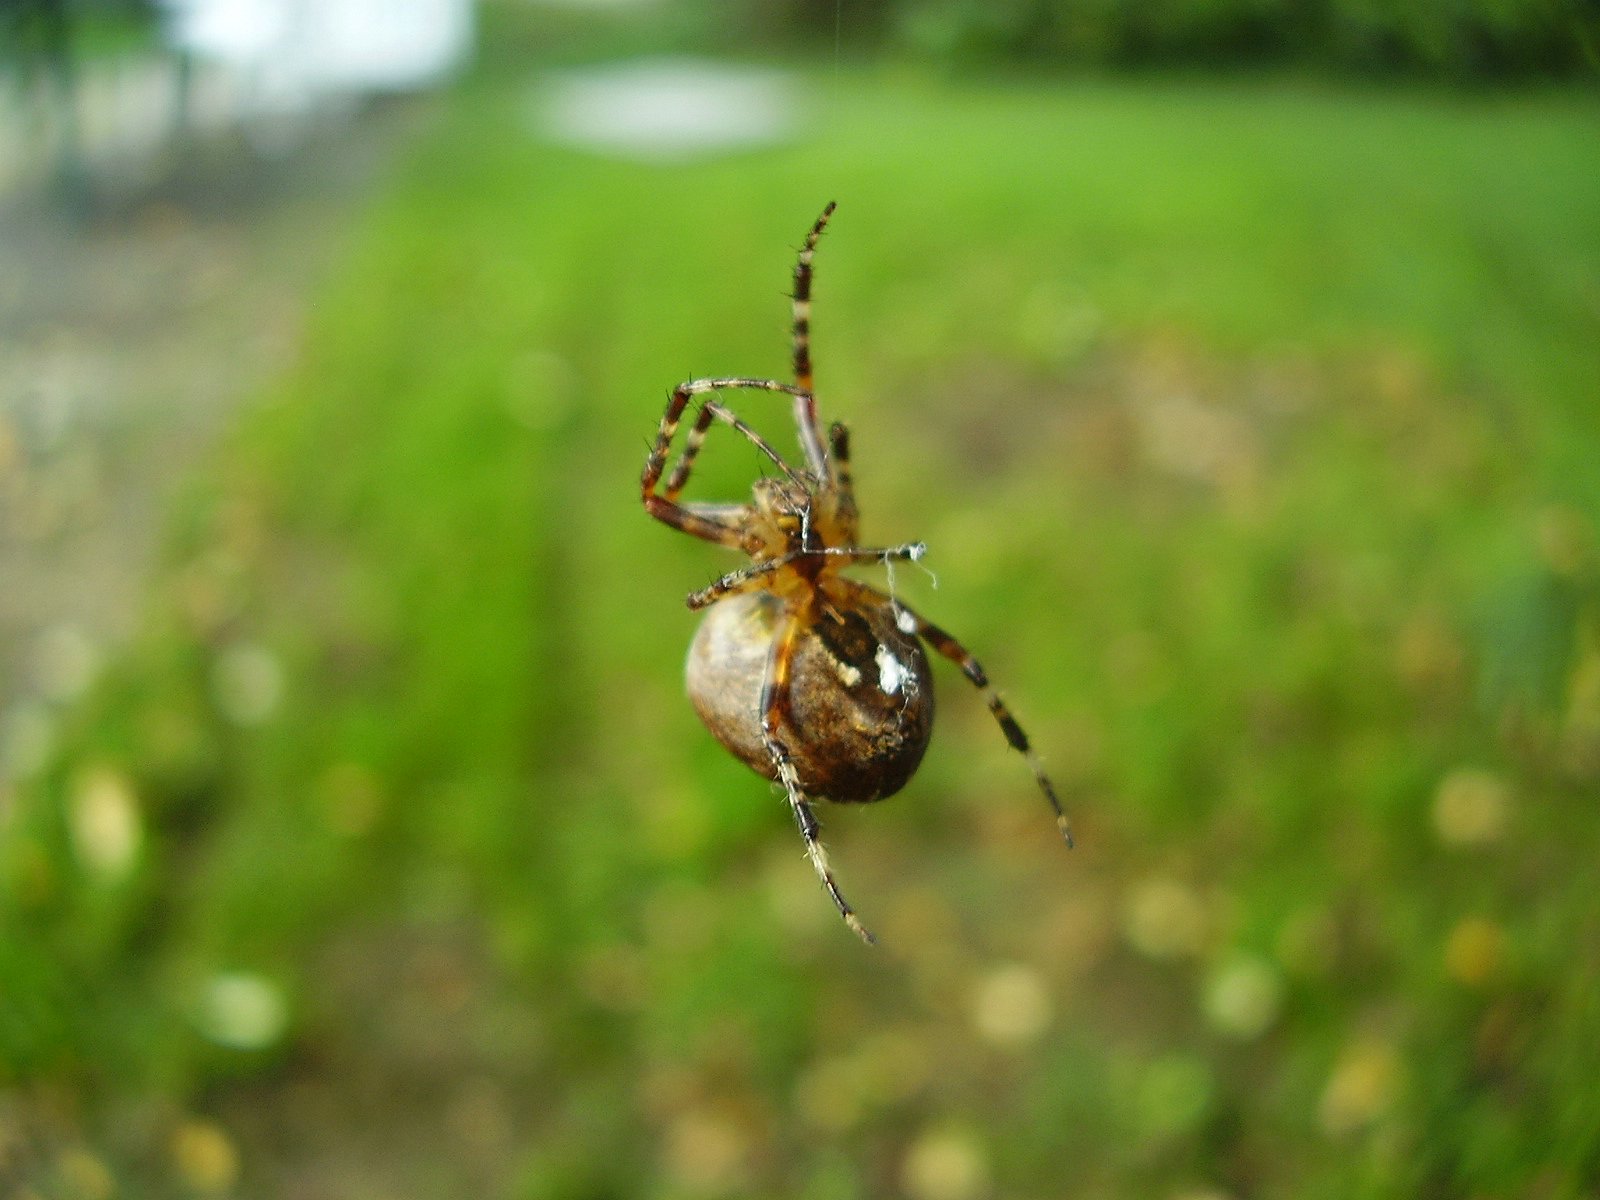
x=293, y=52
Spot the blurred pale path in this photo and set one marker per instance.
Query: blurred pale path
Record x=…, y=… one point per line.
x=128, y=345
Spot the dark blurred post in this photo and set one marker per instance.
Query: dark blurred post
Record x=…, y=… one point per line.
x=41, y=37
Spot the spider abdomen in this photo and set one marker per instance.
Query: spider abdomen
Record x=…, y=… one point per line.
x=859, y=707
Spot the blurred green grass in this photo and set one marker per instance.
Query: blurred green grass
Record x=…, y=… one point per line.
x=1252, y=429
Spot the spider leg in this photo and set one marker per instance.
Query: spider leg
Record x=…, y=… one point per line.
x=911, y=622
x=713, y=526
x=805, y=403
x=697, y=387
x=715, y=523
x=839, y=464
x=718, y=528
x=753, y=575
x=744, y=579
x=774, y=709
x=760, y=443
x=691, y=448
x=712, y=411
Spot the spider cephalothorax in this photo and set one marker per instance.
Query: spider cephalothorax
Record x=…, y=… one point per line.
x=814, y=679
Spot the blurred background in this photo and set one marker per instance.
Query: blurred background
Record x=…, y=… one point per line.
x=1238, y=360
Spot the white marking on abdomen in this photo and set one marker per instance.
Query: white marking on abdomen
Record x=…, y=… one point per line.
x=892, y=674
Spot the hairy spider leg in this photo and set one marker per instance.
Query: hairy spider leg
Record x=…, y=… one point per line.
x=691, y=449
x=774, y=709
x=805, y=402
x=712, y=411
x=753, y=575
x=718, y=523
x=912, y=622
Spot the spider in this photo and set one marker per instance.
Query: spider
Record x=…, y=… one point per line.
x=815, y=680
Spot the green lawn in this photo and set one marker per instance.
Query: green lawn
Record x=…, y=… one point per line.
x=1253, y=431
